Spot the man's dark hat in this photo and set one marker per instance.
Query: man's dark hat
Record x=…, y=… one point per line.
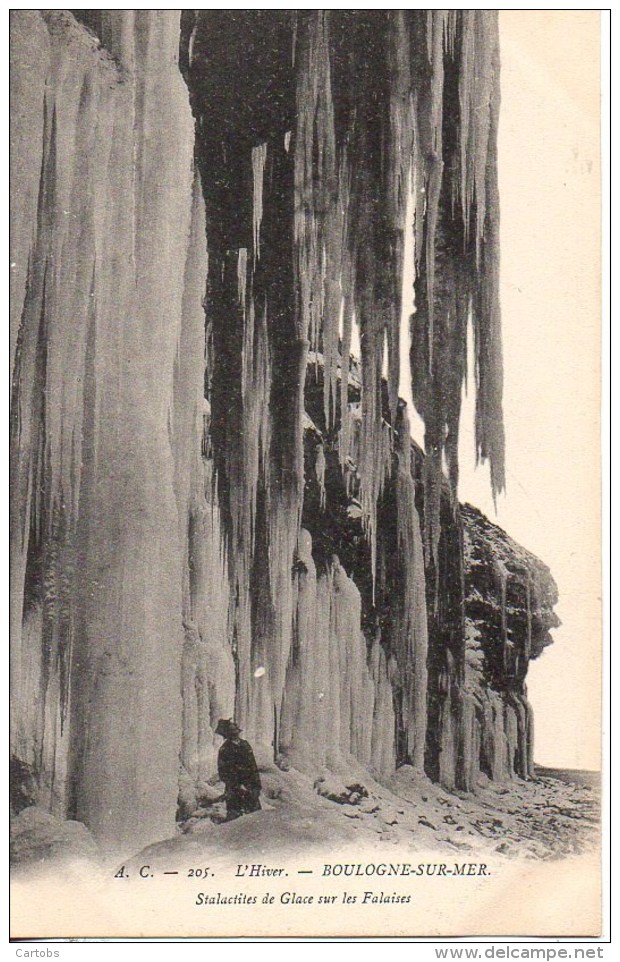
x=226, y=727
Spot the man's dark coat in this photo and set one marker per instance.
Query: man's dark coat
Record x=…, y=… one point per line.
x=237, y=768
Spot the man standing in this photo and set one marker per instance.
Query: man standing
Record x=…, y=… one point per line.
x=237, y=768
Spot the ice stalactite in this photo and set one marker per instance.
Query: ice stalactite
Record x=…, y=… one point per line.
x=337, y=704
x=527, y=649
x=347, y=330
x=30, y=52
x=352, y=457
x=382, y=750
x=319, y=471
x=106, y=134
x=411, y=641
x=457, y=241
x=208, y=673
x=316, y=187
x=494, y=758
x=259, y=157
x=187, y=407
x=350, y=657
x=446, y=663
x=308, y=686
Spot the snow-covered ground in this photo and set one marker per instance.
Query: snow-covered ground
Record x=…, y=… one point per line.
x=551, y=817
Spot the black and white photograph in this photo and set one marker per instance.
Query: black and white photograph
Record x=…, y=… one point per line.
x=305, y=473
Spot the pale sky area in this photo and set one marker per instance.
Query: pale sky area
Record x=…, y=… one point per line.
x=550, y=291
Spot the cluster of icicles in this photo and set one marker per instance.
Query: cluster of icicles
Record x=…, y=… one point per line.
x=375, y=110
x=416, y=110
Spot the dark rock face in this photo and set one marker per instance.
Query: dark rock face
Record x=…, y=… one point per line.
x=509, y=601
x=509, y=595
x=23, y=784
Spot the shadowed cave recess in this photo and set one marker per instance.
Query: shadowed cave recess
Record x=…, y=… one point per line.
x=216, y=509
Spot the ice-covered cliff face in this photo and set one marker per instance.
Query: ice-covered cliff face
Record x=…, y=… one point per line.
x=109, y=269
x=214, y=510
